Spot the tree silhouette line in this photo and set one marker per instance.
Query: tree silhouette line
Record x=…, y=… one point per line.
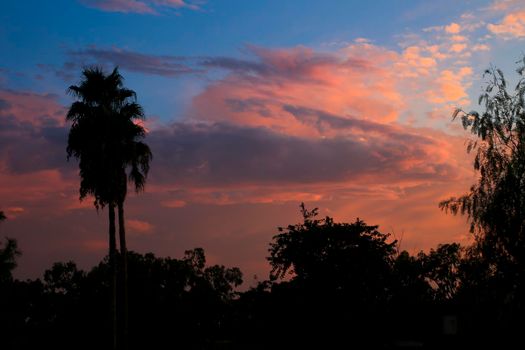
x=330, y=284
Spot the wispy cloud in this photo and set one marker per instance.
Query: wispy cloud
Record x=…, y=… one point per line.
x=141, y=6
x=296, y=63
x=139, y=227
x=167, y=66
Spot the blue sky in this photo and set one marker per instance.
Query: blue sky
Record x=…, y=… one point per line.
x=34, y=33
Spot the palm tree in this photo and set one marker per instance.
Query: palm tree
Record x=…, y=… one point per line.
x=106, y=140
x=135, y=157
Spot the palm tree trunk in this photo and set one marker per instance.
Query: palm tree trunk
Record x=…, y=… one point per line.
x=124, y=262
x=113, y=267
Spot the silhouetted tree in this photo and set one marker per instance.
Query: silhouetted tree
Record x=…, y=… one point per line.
x=495, y=205
x=410, y=277
x=339, y=276
x=182, y=295
x=168, y=295
x=8, y=254
x=441, y=269
x=64, y=278
x=134, y=166
x=107, y=142
x=331, y=254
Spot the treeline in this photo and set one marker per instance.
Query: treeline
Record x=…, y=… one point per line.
x=331, y=283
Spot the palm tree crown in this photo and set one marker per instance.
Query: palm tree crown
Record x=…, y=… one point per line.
x=105, y=137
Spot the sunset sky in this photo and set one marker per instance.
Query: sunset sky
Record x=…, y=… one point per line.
x=253, y=107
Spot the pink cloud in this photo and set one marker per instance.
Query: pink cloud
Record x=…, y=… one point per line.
x=139, y=227
x=504, y=5
x=453, y=28
x=481, y=47
x=174, y=203
x=29, y=107
x=458, y=38
x=345, y=83
x=450, y=87
x=458, y=47
x=512, y=26
x=13, y=212
x=340, y=83
x=32, y=132
x=97, y=246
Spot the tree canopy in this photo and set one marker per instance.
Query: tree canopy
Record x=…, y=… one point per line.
x=495, y=205
x=338, y=256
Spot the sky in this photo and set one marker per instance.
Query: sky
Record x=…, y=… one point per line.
x=252, y=108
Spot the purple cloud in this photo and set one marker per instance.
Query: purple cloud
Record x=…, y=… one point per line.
x=224, y=154
x=141, y=6
x=296, y=64
x=167, y=66
x=32, y=136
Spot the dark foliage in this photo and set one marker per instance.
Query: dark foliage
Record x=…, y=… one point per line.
x=495, y=205
x=332, y=284
x=172, y=301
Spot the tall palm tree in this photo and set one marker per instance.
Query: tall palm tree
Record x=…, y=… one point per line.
x=106, y=140
x=135, y=157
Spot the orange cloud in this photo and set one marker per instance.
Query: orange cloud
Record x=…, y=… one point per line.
x=458, y=47
x=173, y=203
x=15, y=210
x=503, y=5
x=453, y=28
x=345, y=83
x=458, y=38
x=92, y=245
x=451, y=87
x=420, y=64
x=139, y=226
x=341, y=84
x=512, y=26
x=480, y=47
